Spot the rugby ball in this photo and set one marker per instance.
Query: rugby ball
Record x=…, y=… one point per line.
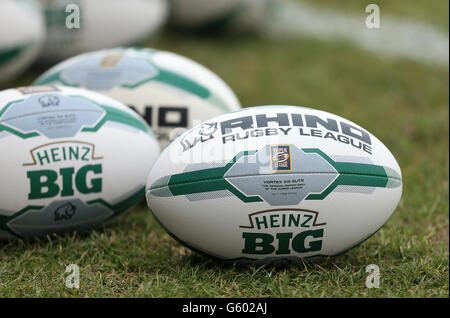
x=170, y=91
x=275, y=183
x=78, y=26
x=70, y=159
x=219, y=15
x=21, y=36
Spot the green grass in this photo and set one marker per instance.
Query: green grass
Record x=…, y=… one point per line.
x=403, y=103
x=431, y=12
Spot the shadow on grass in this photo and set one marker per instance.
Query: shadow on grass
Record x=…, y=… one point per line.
x=121, y=223
x=23, y=244
x=150, y=249
x=197, y=260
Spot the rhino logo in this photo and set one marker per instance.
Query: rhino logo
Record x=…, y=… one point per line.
x=207, y=129
x=65, y=212
x=204, y=133
x=49, y=100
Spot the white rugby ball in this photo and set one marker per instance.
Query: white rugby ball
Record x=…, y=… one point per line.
x=22, y=32
x=231, y=15
x=170, y=91
x=102, y=24
x=274, y=183
x=70, y=159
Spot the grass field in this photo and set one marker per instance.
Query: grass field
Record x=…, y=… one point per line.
x=404, y=103
x=434, y=13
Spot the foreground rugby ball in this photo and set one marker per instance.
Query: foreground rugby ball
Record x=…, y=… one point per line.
x=70, y=159
x=22, y=32
x=170, y=91
x=102, y=24
x=274, y=183
x=220, y=15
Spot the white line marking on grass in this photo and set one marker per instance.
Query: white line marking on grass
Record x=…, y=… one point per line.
x=396, y=37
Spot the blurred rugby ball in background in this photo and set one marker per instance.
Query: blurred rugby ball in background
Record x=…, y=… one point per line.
x=274, y=183
x=231, y=15
x=103, y=24
x=70, y=159
x=22, y=32
x=170, y=91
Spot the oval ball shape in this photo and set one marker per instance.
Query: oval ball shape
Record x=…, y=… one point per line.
x=70, y=159
x=171, y=92
x=274, y=183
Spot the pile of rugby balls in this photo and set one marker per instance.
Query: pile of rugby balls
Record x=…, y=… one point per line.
x=81, y=157
x=268, y=183
x=170, y=91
